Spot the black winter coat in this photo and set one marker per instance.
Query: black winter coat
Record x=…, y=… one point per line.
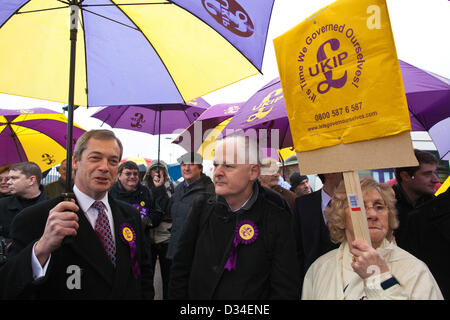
x=98, y=279
x=427, y=236
x=142, y=199
x=265, y=269
x=180, y=204
x=10, y=206
x=404, y=207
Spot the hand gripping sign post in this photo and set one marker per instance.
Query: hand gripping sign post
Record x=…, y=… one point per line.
x=344, y=95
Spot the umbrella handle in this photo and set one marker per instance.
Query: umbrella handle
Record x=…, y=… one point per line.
x=67, y=196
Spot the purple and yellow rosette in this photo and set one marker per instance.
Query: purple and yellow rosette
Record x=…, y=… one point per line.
x=129, y=237
x=246, y=233
x=142, y=209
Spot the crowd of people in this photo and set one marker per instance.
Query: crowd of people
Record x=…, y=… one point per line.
x=246, y=234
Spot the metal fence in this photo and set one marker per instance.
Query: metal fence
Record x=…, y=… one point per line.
x=51, y=176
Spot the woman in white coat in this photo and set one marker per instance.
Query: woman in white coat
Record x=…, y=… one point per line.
x=357, y=270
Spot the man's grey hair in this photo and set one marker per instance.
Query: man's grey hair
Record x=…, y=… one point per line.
x=100, y=134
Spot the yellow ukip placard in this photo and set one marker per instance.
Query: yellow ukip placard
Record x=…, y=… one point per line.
x=341, y=76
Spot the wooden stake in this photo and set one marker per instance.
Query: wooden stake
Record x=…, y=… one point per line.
x=356, y=205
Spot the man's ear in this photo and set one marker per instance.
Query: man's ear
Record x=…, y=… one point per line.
x=74, y=163
x=33, y=179
x=405, y=176
x=254, y=171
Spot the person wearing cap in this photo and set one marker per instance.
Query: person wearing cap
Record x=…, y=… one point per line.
x=54, y=189
x=157, y=175
x=237, y=244
x=269, y=178
x=179, y=205
x=299, y=184
x=310, y=224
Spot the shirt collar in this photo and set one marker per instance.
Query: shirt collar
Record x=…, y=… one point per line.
x=86, y=201
x=325, y=199
x=247, y=204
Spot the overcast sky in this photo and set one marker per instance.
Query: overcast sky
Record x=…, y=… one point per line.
x=420, y=30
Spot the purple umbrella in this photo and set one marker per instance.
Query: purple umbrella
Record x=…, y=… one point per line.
x=37, y=135
x=264, y=115
x=153, y=119
x=130, y=52
x=192, y=137
x=428, y=97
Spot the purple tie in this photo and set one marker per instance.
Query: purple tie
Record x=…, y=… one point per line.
x=103, y=231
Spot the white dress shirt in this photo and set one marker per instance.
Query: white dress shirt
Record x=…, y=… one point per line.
x=325, y=200
x=85, y=203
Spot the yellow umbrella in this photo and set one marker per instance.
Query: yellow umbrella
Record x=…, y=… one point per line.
x=286, y=153
x=208, y=146
x=138, y=160
x=37, y=135
x=444, y=187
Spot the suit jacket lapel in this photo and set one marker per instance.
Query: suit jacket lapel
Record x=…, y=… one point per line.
x=88, y=245
x=123, y=261
x=312, y=226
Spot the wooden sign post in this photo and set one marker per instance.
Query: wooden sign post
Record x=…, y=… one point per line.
x=387, y=152
x=356, y=206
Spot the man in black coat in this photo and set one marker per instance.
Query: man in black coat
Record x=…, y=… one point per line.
x=427, y=236
x=4, y=187
x=105, y=255
x=310, y=226
x=128, y=188
x=414, y=187
x=25, y=185
x=238, y=244
x=178, y=206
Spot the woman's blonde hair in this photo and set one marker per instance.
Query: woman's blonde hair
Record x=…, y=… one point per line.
x=336, y=216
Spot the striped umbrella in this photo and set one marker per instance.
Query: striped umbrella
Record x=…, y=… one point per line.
x=37, y=135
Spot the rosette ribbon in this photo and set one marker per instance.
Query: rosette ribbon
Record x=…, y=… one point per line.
x=246, y=233
x=142, y=209
x=128, y=235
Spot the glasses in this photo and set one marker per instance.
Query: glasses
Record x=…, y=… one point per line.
x=135, y=174
x=379, y=208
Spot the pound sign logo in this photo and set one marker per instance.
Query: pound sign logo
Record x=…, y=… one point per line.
x=231, y=15
x=47, y=158
x=326, y=65
x=136, y=122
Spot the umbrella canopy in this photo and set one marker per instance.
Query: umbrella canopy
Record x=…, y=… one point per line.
x=130, y=51
x=264, y=110
x=443, y=187
x=210, y=123
x=137, y=160
x=152, y=119
x=428, y=97
x=135, y=52
x=37, y=135
x=427, y=94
